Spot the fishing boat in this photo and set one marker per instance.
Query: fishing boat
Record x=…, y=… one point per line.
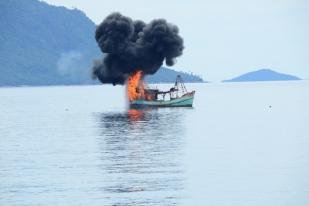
x=177, y=96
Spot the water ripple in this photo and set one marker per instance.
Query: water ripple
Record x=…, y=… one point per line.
x=140, y=156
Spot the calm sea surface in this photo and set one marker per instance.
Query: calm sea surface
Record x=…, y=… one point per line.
x=241, y=144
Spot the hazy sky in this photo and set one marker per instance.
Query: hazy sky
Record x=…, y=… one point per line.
x=224, y=38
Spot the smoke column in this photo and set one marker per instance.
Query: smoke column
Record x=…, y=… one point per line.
x=130, y=45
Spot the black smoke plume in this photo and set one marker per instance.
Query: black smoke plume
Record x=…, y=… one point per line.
x=130, y=45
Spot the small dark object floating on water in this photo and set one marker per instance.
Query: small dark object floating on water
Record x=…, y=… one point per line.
x=177, y=96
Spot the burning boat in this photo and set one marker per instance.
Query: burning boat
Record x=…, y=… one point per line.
x=141, y=96
x=132, y=49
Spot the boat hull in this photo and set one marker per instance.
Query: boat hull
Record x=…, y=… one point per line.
x=184, y=101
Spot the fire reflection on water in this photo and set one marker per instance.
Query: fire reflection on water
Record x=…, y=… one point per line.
x=141, y=157
x=135, y=114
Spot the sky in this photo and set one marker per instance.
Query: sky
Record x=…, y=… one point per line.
x=223, y=38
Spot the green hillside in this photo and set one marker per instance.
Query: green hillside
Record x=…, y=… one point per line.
x=41, y=44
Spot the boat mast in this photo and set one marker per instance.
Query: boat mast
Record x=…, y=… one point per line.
x=179, y=85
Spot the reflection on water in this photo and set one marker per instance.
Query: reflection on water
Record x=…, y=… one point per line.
x=141, y=153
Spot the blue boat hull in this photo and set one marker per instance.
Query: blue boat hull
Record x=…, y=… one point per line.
x=184, y=101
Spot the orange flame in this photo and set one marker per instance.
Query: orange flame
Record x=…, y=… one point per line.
x=135, y=86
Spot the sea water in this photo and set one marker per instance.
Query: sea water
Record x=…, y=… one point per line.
x=241, y=144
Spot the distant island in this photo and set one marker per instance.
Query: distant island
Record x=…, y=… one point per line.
x=262, y=75
x=43, y=44
x=166, y=75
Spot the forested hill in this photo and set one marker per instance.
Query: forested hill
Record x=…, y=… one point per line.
x=41, y=44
